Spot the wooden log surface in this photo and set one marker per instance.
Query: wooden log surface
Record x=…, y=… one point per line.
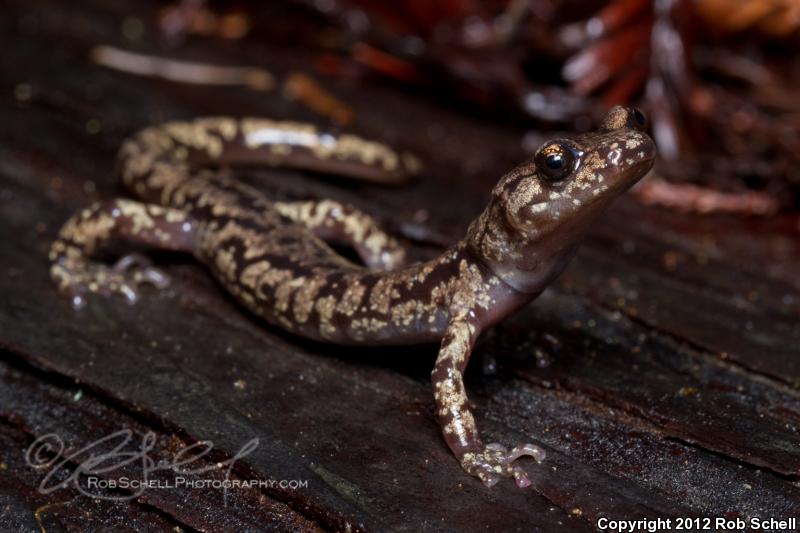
x=672, y=340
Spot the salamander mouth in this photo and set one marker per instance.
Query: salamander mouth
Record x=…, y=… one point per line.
x=632, y=156
x=642, y=163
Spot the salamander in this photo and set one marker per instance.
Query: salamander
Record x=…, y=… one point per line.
x=275, y=258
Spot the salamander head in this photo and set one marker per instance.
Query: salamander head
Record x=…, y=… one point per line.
x=541, y=209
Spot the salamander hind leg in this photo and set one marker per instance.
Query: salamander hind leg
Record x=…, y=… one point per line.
x=88, y=234
x=343, y=224
x=487, y=462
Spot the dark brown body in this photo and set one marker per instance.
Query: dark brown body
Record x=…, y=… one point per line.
x=272, y=257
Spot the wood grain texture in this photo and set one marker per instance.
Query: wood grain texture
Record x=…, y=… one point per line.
x=672, y=388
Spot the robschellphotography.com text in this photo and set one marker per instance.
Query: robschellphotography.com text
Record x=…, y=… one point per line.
x=653, y=525
x=124, y=464
x=125, y=483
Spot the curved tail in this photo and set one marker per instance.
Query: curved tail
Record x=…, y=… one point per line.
x=155, y=160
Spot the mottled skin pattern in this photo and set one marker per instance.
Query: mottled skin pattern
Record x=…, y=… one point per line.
x=272, y=258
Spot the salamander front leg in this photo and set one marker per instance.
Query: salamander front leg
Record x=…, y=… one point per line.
x=340, y=223
x=488, y=462
x=89, y=233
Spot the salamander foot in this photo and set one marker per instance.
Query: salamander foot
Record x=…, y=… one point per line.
x=496, y=461
x=78, y=278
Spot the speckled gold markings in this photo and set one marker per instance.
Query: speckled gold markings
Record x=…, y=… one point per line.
x=334, y=221
x=274, y=258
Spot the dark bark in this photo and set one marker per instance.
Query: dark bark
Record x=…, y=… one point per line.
x=672, y=388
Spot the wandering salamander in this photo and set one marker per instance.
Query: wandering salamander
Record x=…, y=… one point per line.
x=272, y=257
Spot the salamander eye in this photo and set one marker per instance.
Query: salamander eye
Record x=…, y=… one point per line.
x=555, y=161
x=639, y=118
